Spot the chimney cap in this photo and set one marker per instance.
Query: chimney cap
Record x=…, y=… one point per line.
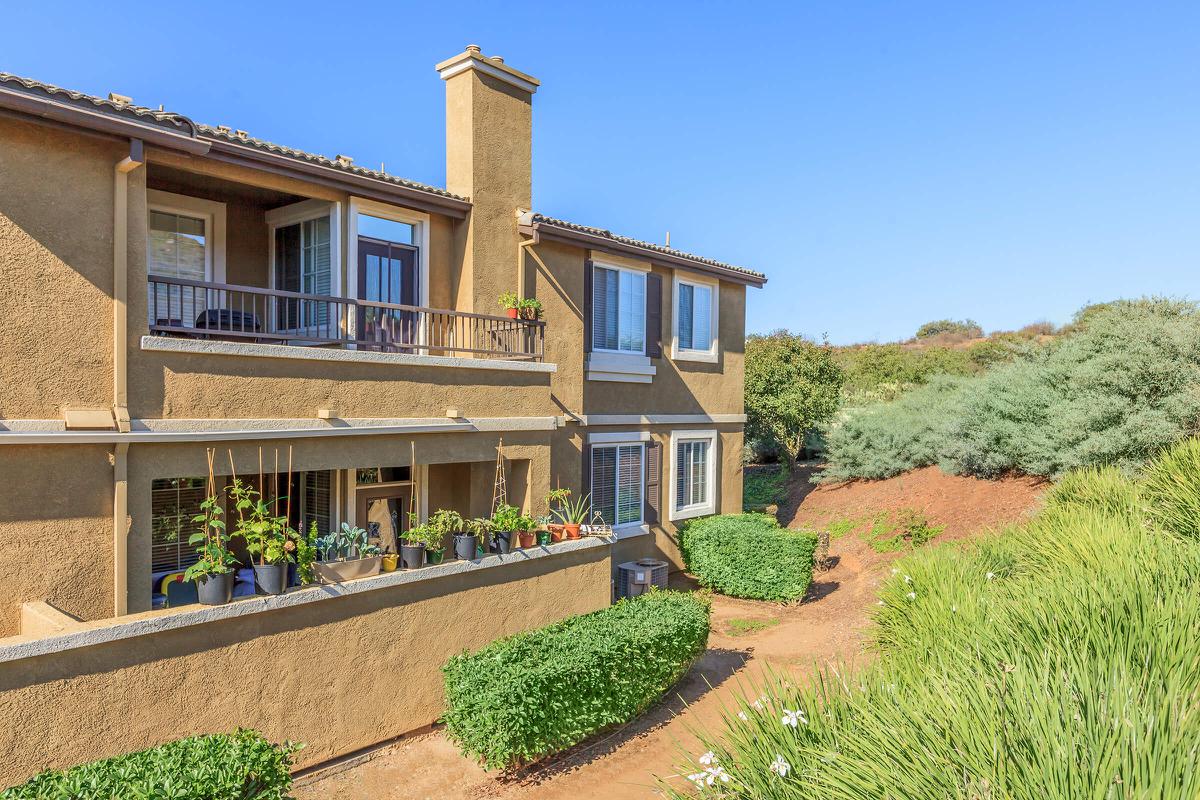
x=473, y=59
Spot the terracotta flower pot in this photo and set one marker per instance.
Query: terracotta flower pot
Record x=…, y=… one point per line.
x=512, y=313
x=572, y=530
x=526, y=539
x=557, y=533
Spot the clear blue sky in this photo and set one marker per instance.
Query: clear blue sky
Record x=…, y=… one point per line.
x=884, y=163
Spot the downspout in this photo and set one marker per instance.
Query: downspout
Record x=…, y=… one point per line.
x=120, y=454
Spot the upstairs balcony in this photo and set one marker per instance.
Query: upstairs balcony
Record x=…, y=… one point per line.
x=180, y=307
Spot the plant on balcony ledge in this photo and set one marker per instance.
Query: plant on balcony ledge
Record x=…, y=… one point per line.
x=574, y=513
x=429, y=542
x=445, y=523
x=268, y=537
x=213, y=570
x=346, y=553
x=306, y=556
x=511, y=304
x=554, y=501
x=530, y=308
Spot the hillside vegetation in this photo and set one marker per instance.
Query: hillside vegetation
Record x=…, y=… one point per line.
x=1055, y=661
x=1122, y=385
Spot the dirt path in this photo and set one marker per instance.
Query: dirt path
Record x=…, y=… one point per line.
x=827, y=627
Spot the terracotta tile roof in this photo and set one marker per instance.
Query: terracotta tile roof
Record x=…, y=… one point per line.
x=658, y=248
x=178, y=123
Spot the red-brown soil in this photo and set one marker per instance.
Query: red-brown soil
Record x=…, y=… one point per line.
x=828, y=627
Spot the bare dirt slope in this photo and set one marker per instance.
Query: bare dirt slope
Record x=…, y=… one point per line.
x=828, y=627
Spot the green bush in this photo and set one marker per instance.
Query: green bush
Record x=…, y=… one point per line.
x=1172, y=489
x=1053, y=662
x=229, y=766
x=1117, y=391
x=792, y=385
x=1104, y=488
x=967, y=328
x=537, y=693
x=749, y=555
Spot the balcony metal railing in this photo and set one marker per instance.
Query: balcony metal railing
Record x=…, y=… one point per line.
x=204, y=310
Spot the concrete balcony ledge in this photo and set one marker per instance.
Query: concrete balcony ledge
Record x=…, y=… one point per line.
x=166, y=344
x=86, y=634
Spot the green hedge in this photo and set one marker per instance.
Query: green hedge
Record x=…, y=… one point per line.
x=749, y=555
x=540, y=692
x=221, y=766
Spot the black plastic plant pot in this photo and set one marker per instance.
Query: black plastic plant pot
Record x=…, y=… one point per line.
x=504, y=542
x=215, y=590
x=412, y=556
x=270, y=578
x=464, y=546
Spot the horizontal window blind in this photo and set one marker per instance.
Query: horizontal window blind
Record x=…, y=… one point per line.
x=173, y=504
x=691, y=474
x=618, y=310
x=694, y=325
x=316, y=506
x=618, y=480
x=685, y=315
x=604, y=309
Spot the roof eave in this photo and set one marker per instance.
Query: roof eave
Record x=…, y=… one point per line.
x=360, y=185
x=543, y=230
x=50, y=109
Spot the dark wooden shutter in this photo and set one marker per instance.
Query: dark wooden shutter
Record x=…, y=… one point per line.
x=587, y=309
x=585, y=474
x=653, y=493
x=654, y=316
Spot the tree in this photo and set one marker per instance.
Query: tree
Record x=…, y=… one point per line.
x=965, y=328
x=792, y=385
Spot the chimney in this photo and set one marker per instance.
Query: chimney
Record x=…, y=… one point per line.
x=489, y=130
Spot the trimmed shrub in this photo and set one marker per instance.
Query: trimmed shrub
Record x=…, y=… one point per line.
x=1172, y=489
x=232, y=766
x=536, y=693
x=750, y=556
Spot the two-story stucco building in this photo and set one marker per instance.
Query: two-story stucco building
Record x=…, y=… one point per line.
x=173, y=286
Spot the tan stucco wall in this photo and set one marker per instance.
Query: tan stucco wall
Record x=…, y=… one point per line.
x=56, y=534
x=338, y=675
x=187, y=385
x=554, y=271
x=56, y=245
x=489, y=154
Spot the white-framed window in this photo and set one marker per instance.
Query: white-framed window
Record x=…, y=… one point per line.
x=185, y=240
x=695, y=333
x=618, y=309
x=693, y=474
x=618, y=469
x=304, y=257
x=385, y=222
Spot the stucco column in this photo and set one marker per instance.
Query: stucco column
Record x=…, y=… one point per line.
x=488, y=160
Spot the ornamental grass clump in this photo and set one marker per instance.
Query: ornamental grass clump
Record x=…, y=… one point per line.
x=750, y=556
x=233, y=766
x=1056, y=660
x=536, y=693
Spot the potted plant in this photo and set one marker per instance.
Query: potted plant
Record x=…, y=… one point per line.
x=530, y=308
x=389, y=561
x=526, y=525
x=504, y=523
x=511, y=304
x=412, y=547
x=213, y=572
x=445, y=522
x=346, y=554
x=573, y=514
x=554, y=501
x=544, y=537
x=480, y=529
x=306, y=556
x=267, y=535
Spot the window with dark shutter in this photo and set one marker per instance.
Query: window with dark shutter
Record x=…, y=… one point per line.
x=653, y=482
x=618, y=481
